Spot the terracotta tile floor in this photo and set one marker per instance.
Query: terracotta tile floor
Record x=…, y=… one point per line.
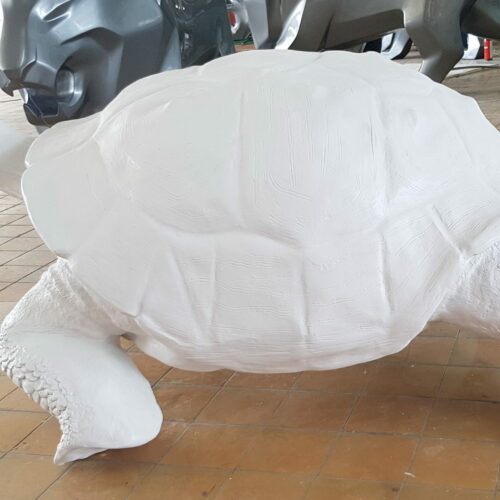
x=422, y=424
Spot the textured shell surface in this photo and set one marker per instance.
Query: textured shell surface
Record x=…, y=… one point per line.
x=273, y=210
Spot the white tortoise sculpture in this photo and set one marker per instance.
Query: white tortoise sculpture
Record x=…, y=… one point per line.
x=268, y=212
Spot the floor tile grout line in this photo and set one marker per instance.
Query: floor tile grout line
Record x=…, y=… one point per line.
x=20, y=203
x=310, y=431
x=63, y=473
x=8, y=263
x=22, y=252
x=286, y=397
x=188, y=425
x=140, y=481
x=156, y=384
x=29, y=434
x=24, y=277
x=323, y=463
x=489, y=402
x=219, y=488
x=20, y=216
x=176, y=440
x=341, y=431
x=325, y=392
x=221, y=388
x=194, y=421
x=259, y=431
x=426, y=422
x=12, y=390
x=235, y=469
x=231, y=469
x=27, y=229
x=11, y=206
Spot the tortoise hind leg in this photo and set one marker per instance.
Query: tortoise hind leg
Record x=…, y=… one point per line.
x=64, y=353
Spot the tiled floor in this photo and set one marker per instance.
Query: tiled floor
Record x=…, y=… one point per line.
x=423, y=424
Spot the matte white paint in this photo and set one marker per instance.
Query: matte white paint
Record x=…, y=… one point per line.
x=13, y=148
x=268, y=212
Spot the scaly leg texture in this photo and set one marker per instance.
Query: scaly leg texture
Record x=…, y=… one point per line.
x=62, y=348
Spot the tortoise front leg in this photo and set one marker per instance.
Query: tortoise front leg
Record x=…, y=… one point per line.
x=62, y=349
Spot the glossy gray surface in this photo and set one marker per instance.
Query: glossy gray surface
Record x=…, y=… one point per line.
x=396, y=45
x=69, y=58
x=435, y=26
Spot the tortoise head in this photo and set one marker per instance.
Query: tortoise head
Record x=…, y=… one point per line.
x=69, y=58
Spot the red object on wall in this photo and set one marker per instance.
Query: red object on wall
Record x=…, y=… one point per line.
x=487, y=50
x=232, y=18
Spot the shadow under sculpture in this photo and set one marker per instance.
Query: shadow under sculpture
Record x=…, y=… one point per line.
x=271, y=211
x=70, y=58
x=435, y=26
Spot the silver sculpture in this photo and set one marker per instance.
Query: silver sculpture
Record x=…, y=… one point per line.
x=238, y=16
x=396, y=45
x=435, y=26
x=69, y=58
x=251, y=18
x=475, y=48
